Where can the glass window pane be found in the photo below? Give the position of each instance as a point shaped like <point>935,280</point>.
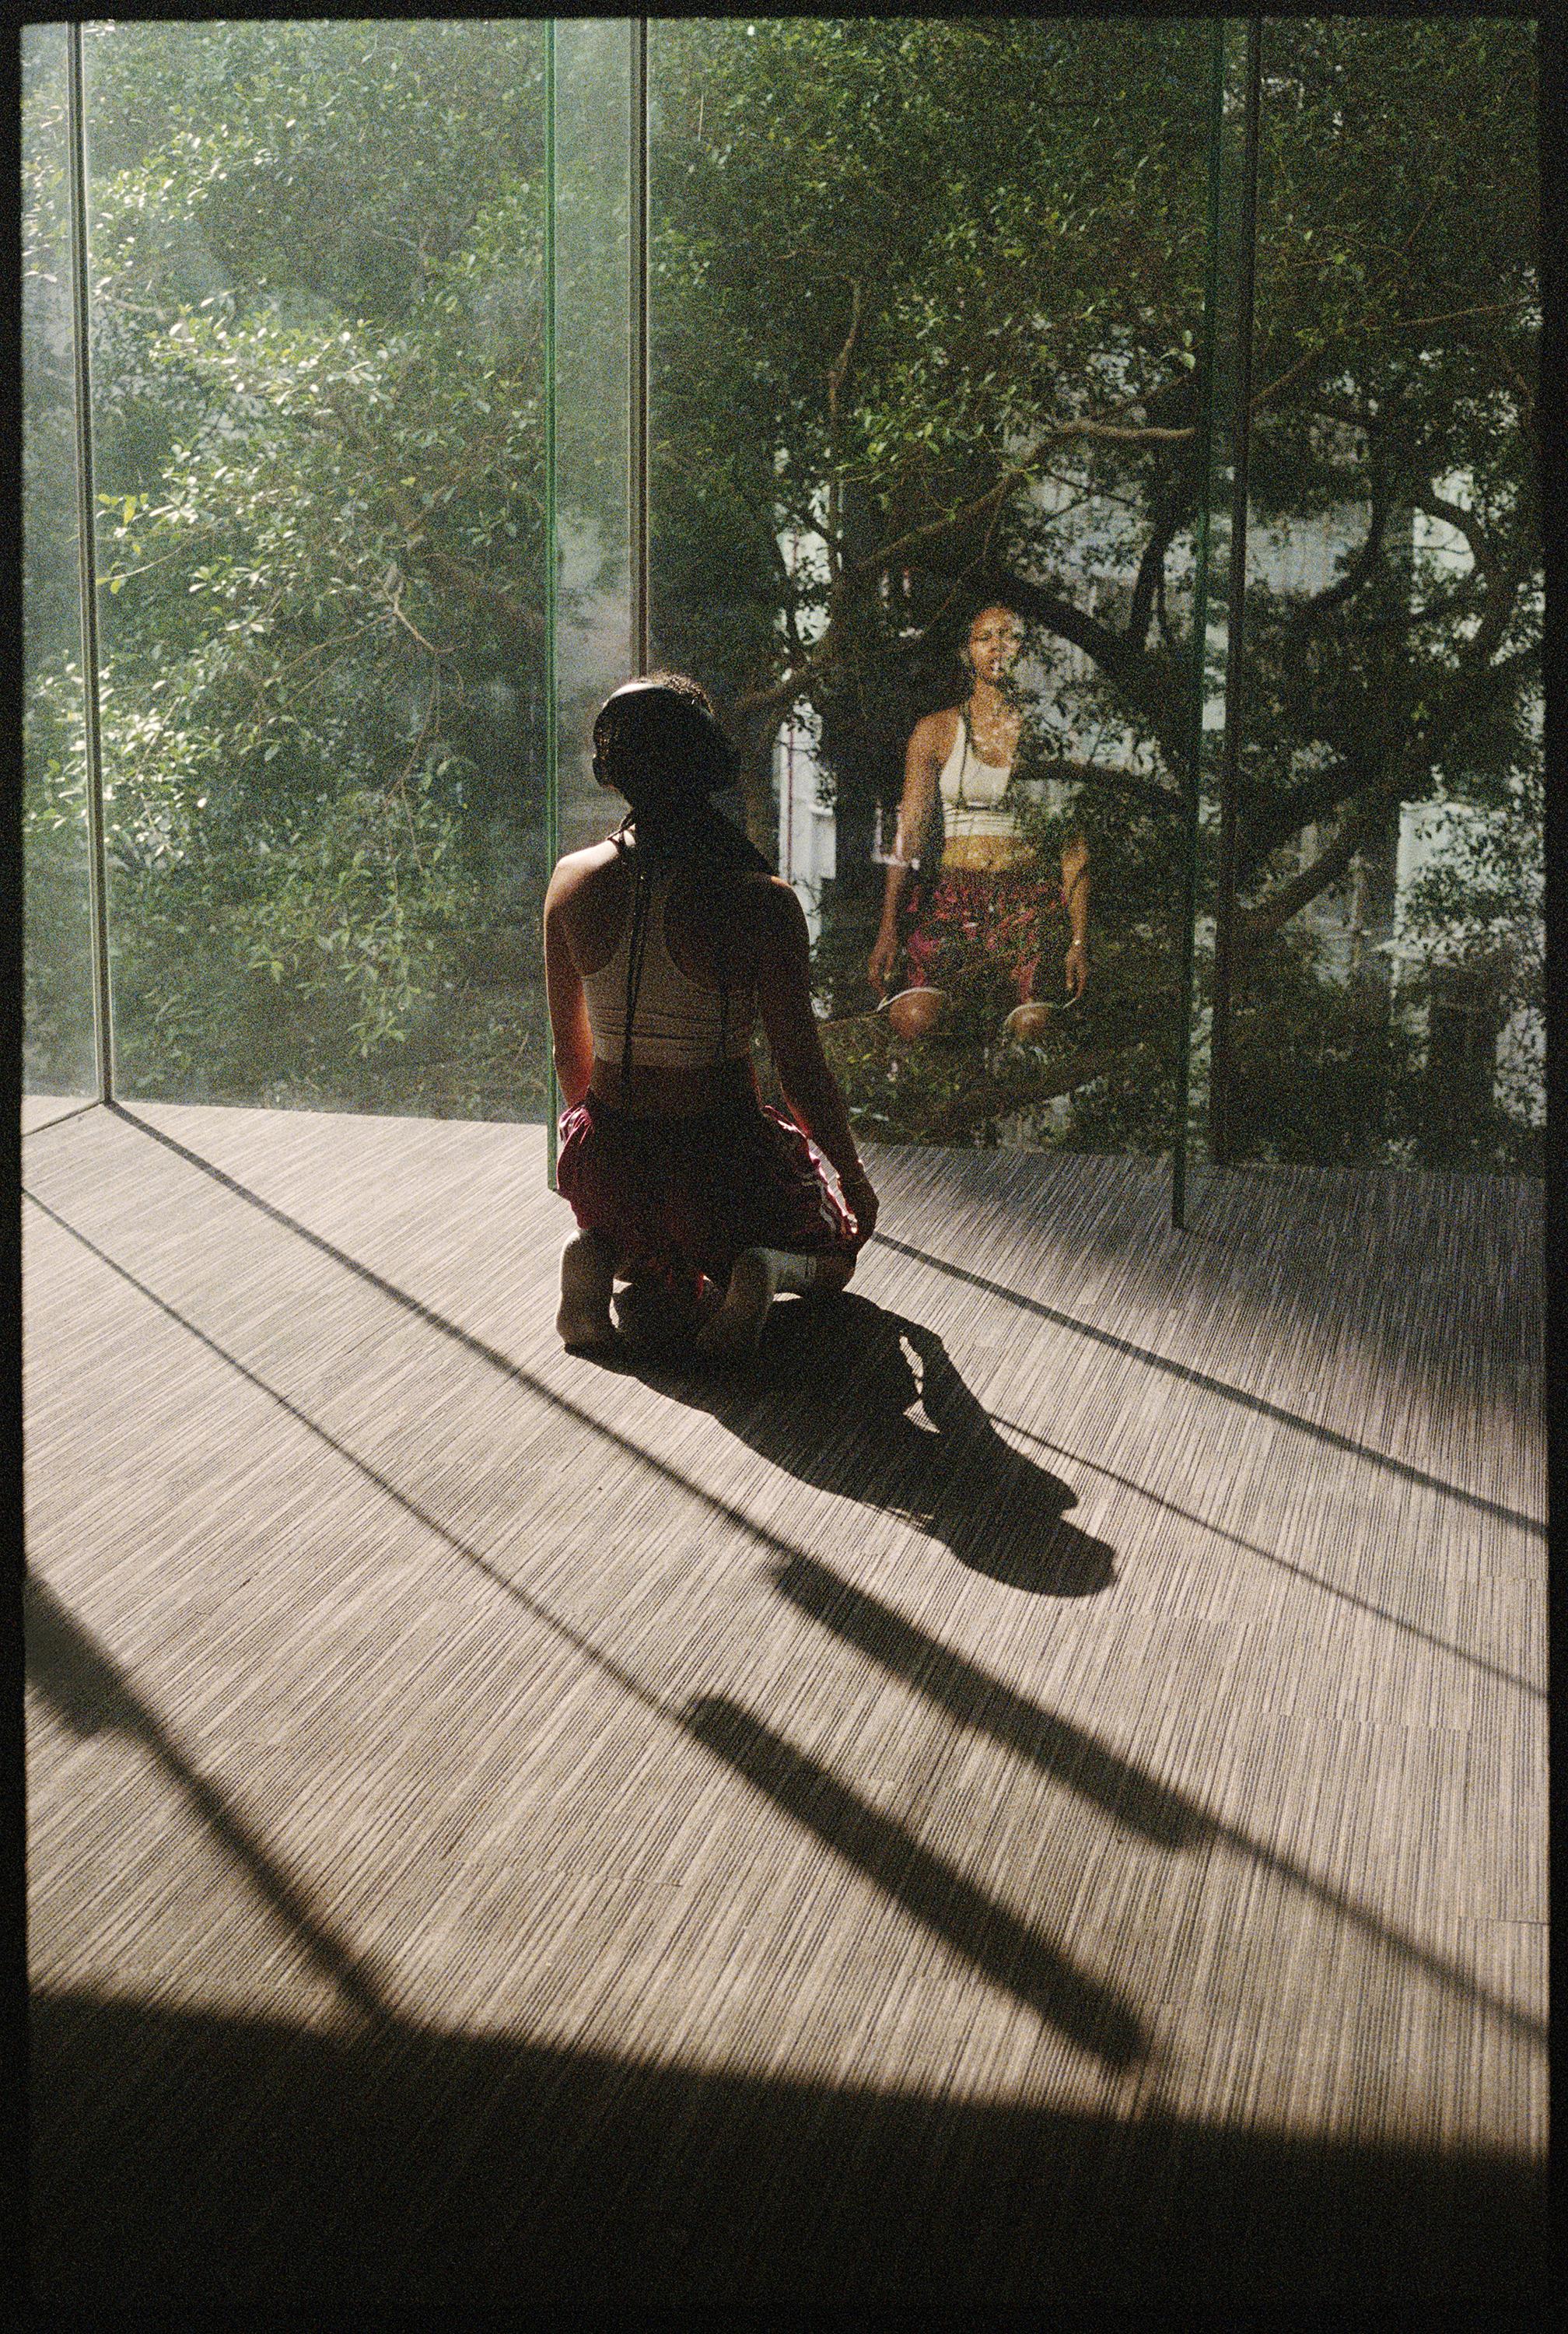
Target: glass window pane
<point>316,252</point>
<point>592,375</point>
<point>924,301</point>
<point>58,1056</point>
<point>1388,959</point>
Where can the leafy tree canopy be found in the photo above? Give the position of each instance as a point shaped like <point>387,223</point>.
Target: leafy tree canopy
<point>928,292</point>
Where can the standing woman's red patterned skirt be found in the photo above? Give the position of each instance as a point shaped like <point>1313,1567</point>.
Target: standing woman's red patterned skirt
<point>961,917</point>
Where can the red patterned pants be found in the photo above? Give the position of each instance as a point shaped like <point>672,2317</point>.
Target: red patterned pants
<point>679,1198</point>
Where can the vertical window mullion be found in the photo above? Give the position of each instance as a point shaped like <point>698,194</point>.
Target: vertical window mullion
<point>87,571</point>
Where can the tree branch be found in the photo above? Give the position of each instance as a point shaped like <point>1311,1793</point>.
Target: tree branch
<point>1437,506</point>
<point>394,599</point>
<point>1151,573</point>
<point>793,682</point>
<point>1467,695</point>
<point>1527,394</point>
<point>477,588</point>
<point>1123,433</point>
<point>976,1104</point>
<point>1334,595</point>
<point>836,372</point>
<point>481,592</point>
<point>1107,774</point>
<point>841,366</point>
<point>891,553</point>
<point>1253,925</point>
<point>1310,357</point>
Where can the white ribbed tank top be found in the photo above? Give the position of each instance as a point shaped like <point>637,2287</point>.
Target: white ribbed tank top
<point>675,1024</point>
<point>972,791</point>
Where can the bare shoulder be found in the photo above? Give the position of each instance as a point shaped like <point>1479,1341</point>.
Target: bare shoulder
<point>775,905</point>
<point>772,923</point>
<point>932,736</point>
<point>577,871</point>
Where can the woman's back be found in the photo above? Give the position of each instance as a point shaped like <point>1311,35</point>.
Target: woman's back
<point>695,994</point>
<point>678,1020</point>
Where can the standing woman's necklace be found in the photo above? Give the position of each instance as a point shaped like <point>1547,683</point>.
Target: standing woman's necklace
<point>995,736</point>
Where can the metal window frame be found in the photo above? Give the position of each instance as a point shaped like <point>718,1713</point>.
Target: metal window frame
<point>87,567</point>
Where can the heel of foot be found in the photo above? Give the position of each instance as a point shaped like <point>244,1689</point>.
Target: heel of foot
<point>736,1329</point>
<point>584,1333</point>
<point>582,1323</point>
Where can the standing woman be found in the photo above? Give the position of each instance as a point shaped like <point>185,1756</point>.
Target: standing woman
<point>661,945</point>
<point>986,898</point>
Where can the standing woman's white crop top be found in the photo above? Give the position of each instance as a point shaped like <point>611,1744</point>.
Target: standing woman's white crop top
<point>972,791</point>
<point>675,1022</point>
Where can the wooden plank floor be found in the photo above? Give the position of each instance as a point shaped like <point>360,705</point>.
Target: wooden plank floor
<point>1036,1789</point>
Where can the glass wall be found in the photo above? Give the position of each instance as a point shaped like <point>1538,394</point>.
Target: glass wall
<point>1385,991</point>
<point>927,493</point>
<point>594,646</point>
<point>317,411</point>
<point>58,1056</point>
<point>924,301</point>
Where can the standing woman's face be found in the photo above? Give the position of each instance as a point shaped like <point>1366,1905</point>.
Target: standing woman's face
<point>996,638</point>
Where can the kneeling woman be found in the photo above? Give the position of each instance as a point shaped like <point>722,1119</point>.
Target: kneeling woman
<point>662,945</point>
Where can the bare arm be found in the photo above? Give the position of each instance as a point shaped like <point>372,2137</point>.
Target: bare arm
<point>1075,891</point>
<point>810,1087</point>
<point>923,761</point>
<point>573,1039</point>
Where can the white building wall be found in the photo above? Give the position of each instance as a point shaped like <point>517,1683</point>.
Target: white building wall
<point>807,829</point>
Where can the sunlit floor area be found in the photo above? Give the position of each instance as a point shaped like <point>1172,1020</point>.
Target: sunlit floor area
<point>1035,1790</point>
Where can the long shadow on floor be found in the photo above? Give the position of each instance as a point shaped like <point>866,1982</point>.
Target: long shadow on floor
<point>832,1398</point>
<point>1011,1953</point>
<point>88,1691</point>
<point>289,2176</point>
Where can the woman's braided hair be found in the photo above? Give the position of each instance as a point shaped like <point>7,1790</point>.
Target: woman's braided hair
<point>658,741</point>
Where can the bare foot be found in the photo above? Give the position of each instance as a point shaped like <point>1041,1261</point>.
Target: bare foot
<point>756,1276</point>
<point>736,1330</point>
<point>1028,1024</point>
<point>587,1276</point>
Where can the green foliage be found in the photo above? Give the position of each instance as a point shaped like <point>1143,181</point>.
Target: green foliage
<point>967,368</point>
<point>319,447</point>
<point>927,291</point>
<point>58,1033</point>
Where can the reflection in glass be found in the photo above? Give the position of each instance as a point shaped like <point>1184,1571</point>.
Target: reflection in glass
<point>925,302</point>
<point>975,910</point>
<point>58,1056</point>
<point>946,368</point>
<point>315,256</point>
<point>1386,999</point>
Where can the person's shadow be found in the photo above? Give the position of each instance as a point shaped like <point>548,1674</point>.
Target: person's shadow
<point>867,1403</point>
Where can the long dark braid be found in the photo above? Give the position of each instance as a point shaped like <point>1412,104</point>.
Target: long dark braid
<point>636,948</point>
<point>671,818</point>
